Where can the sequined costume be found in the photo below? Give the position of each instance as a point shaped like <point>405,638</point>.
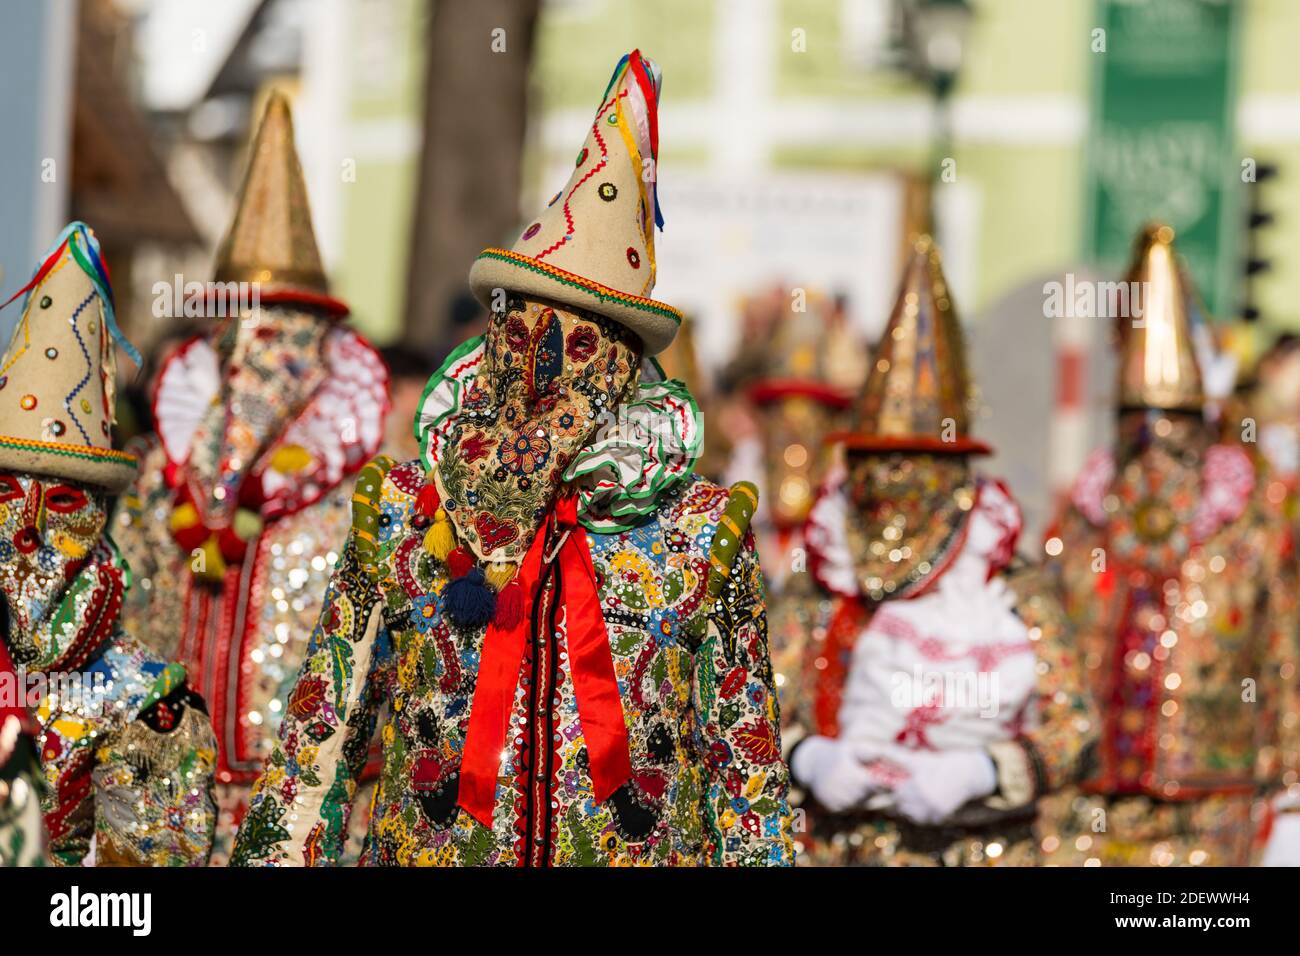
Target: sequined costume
<point>1179,580</point>
<point>566,623</point>
<point>242,505</point>
<point>1035,741</point>
<point>805,371</point>
<point>708,784</point>
<point>922,649</point>
<point>125,745</point>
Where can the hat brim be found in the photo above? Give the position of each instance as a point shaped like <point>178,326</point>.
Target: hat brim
<point>107,468</point>
<point>920,444</point>
<point>655,322</point>
<point>282,296</point>
<point>775,389</point>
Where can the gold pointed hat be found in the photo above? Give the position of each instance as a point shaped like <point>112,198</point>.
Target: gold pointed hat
<point>917,395</point>
<point>593,246</point>
<point>1157,358</point>
<point>271,241</point>
<point>808,357</point>
<point>57,376</point>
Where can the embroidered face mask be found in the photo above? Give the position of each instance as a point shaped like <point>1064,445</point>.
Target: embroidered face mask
<point>907,512</point>
<point>551,377</point>
<point>48,528</point>
<point>274,365</point>
<point>1156,493</point>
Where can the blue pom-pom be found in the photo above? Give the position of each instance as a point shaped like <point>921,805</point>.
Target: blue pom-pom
<point>469,601</point>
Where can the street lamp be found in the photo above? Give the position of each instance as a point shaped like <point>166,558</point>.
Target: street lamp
<point>935,34</point>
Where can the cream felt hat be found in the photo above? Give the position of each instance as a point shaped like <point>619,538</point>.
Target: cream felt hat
<point>593,246</point>
<point>56,377</point>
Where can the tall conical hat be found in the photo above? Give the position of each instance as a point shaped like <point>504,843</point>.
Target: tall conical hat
<point>917,395</point>
<point>800,359</point>
<point>1157,356</point>
<point>271,241</point>
<point>57,376</point>
<point>593,246</point>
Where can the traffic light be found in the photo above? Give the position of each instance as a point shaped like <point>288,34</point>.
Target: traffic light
<point>1257,218</point>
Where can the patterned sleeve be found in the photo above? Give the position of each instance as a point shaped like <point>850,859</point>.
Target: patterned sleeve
<point>127,757</point>
<point>1062,723</point>
<point>300,805</point>
<point>746,810</point>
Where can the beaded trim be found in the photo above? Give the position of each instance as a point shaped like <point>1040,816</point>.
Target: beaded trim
<point>72,451</point>
<point>602,292</point>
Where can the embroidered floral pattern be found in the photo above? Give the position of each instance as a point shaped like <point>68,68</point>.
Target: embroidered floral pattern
<point>707,785</point>
<point>525,451</point>
<point>547,397</point>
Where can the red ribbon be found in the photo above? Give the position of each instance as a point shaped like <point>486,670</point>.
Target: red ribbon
<point>17,707</point>
<point>600,706</point>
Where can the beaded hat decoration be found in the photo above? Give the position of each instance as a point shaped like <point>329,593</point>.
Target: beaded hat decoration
<point>57,376</point>
<point>593,246</point>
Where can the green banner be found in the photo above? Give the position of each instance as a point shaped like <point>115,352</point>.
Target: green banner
<point>1161,143</point>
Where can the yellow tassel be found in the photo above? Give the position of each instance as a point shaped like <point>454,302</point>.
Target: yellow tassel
<point>290,459</point>
<point>499,574</point>
<point>184,516</point>
<point>208,564</point>
<point>439,540</point>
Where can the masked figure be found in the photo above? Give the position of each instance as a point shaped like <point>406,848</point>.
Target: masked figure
<point>126,748</point>
<point>932,694</point>
<point>813,368</point>
<point>567,624</point>
<point>234,525</point>
<point>1180,584</point>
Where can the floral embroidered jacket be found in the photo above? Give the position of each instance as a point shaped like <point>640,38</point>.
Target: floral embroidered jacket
<point>708,785</point>
<point>21,832</point>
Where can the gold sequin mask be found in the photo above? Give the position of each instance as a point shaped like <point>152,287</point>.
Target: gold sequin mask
<point>906,515</point>
<point>273,364</point>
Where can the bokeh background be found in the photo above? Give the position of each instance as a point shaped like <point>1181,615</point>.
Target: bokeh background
<point>802,140</point>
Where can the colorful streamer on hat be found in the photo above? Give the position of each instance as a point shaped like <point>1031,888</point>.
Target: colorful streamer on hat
<point>649,78</point>
<point>84,248</point>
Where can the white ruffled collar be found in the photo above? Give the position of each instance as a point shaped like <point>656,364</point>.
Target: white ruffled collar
<point>1227,482</point>
<point>340,428</point>
<point>988,544</point>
